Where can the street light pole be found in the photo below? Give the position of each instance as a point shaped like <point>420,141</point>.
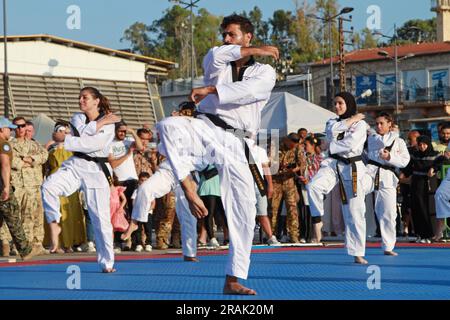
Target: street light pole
<point>397,79</point>
<point>5,75</point>
<point>191,4</point>
<point>192,45</point>
<point>331,59</point>
<point>329,20</point>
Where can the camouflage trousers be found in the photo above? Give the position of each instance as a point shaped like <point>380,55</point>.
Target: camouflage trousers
<point>10,214</point>
<point>167,224</point>
<point>286,190</point>
<point>31,213</point>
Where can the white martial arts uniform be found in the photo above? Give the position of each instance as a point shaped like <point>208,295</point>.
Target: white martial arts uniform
<point>189,143</point>
<point>442,198</point>
<point>158,185</point>
<point>76,173</point>
<point>386,195</point>
<point>326,179</point>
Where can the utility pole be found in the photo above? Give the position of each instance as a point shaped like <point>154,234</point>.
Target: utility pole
<point>191,4</point>
<point>342,44</point>
<point>329,20</point>
<point>342,80</point>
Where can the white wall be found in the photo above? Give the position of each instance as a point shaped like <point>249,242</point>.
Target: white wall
<point>33,58</point>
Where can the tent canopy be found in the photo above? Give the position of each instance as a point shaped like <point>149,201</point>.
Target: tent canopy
<point>288,113</point>
<point>43,127</point>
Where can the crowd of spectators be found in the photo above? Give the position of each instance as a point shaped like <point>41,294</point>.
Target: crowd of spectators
<point>284,217</point>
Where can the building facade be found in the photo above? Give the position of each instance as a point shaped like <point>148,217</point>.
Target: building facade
<point>46,73</point>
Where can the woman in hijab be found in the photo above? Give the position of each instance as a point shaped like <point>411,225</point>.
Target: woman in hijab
<point>346,135</point>
<point>422,161</point>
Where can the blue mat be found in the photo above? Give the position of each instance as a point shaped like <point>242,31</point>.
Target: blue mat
<point>417,273</point>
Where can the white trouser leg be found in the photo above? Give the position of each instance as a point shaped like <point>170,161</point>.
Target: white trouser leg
<point>386,211</point>
<point>188,224</point>
<point>322,183</point>
<point>61,183</point>
<point>190,143</point>
<point>98,203</point>
<point>337,216</point>
<point>157,186</point>
<point>371,224</point>
<point>239,201</point>
<point>354,218</point>
<point>179,141</point>
<point>442,199</point>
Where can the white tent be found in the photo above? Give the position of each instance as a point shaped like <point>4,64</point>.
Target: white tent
<point>43,127</point>
<point>288,113</point>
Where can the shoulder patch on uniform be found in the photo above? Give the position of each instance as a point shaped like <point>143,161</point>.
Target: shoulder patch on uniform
<point>6,147</point>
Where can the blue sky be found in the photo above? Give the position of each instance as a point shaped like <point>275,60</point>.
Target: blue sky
<point>103,21</point>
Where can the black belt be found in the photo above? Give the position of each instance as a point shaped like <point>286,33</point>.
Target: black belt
<point>381,166</point>
<point>240,134</point>
<point>347,161</point>
<point>101,161</point>
<point>209,174</point>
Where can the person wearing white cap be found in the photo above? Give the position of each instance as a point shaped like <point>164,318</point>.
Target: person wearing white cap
<point>9,208</point>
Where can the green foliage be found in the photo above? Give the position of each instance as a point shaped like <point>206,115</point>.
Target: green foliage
<point>300,38</point>
<point>417,30</point>
<point>364,40</point>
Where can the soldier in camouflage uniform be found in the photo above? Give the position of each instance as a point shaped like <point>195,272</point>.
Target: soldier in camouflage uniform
<point>9,209</point>
<point>26,178</point>
<point>142,158</point>
<point>166,220</point>
<point>291,160</point>
<point>167,225</point>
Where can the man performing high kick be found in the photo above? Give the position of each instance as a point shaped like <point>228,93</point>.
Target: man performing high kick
<point>237,88</point>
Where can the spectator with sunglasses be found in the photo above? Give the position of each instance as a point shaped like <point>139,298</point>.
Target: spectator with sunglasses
<point>26,177</point>
<point>121,160</point>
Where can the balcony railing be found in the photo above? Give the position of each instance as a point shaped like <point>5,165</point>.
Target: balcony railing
<point>409,96</point>
<point>439,3</point>
<point>387,97</point>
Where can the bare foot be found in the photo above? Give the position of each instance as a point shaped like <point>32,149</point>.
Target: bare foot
<point>361,260</point>
<point>57,251</point>
<point>232,286</point>
<point>196,204</point>
<point>109,270</point>
<point>390,253</point>
<point>318,231</point>
<point>191,259</point>
<point>55,230</point>
<point>131,228</point>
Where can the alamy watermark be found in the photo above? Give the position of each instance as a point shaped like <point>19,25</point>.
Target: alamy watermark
<point>374,20</point>
<point>73,21</point>
<point>73,282</point>
<point>374,280</point>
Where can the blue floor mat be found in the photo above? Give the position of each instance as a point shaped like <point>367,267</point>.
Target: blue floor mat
<point>417,273</point>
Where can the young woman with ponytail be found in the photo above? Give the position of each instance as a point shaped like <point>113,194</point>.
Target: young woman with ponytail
<point>92,130</point>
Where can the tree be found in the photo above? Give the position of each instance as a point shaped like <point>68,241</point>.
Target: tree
<point>137,35</point>
<point>307,48</point>
<point>169,38</point>
<point>329,8</point>
<point>261,26</point>
<point>364,40</point>
<point>417,30</point>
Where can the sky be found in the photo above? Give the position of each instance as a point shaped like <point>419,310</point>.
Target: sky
<point>102,22</point>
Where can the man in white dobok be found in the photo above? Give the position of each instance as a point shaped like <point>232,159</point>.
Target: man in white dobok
<point>237,88</point>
